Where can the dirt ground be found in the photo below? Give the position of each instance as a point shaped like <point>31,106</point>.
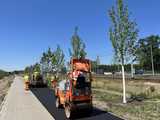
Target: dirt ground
<point>143,98</point>
<point>4,86</point>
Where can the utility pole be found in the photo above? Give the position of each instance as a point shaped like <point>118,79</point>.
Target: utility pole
<point>152,61</point>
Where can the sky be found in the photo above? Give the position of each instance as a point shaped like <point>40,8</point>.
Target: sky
<point>29,27</point>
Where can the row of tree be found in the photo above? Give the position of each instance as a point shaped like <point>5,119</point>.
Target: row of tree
<point>148,53</point>
<point>145,49</point>
<point>123,34</point>
<point>53,62</point>
<point>50,62</point>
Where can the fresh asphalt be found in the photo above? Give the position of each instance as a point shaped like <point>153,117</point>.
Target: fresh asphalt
<point>47,98</point>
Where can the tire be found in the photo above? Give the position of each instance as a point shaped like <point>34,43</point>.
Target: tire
<point>68,112</point>
<point>57,102</point>
<point>90,110</point>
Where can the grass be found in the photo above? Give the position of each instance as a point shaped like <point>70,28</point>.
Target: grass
<point>143,98</point>
<point>102,96</point>
<point>139,111</point>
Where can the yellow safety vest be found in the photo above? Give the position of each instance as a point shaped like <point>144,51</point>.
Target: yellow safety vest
<point>26,78</point>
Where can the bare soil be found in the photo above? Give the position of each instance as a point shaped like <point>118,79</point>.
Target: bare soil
<point>143,98</point>
<point>5,83</point>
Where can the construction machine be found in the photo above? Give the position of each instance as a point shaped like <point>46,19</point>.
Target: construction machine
<point>75,93</point>
<point>36,79</point>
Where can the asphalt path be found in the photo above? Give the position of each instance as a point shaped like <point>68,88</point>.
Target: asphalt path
<point>47,98</point>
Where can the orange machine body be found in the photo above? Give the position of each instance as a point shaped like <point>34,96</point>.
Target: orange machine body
<point>76,92</point>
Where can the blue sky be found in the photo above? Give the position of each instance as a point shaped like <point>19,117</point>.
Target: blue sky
<point>28,27</point>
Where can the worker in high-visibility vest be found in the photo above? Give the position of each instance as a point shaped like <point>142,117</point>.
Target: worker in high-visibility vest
<point>26,79</point>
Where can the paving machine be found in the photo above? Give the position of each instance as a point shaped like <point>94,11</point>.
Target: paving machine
<point>75,93</point>
<point>36,79</point>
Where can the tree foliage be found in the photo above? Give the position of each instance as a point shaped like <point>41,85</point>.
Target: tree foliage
<point>32,68</point>
<point>57,60</point>
<point>52,61</point>
<point>27,70</point>
<point>114,67</point>
<point>46,65</point>
<point>94,66</point>
<point>98,60</point>
<point>123,32</point>
<point>36,68</point>
<point>144,52</point>
<point>78,47</point>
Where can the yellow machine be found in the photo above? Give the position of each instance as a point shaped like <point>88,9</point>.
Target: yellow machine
<point>26,79</point>
<point>36,79</point>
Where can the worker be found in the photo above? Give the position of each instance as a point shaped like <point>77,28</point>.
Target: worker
<point>54,81</point>
<point>75,75</point>
<point>26,79</point>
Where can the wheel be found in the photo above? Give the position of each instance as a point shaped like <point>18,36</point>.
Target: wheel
<point>57,103</point>
<point>68,111</point>
<point>90,110</point>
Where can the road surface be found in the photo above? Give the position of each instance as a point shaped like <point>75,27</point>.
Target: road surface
<point>39,104</point>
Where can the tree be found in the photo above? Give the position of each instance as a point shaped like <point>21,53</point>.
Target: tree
<point>46,64</point>
<point>98,60</point>
<point>78,47</point>
<point>36,67</point>
<point>148,52</point>
<point>57,60</point>
<point>27,70</point>
<point>94,66</point>
<point>52,61</point>
<point>123,34</point>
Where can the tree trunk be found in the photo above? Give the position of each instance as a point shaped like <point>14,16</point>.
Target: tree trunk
<point>132,76</point>
<point>152,60</point>
<point>124,85</point>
